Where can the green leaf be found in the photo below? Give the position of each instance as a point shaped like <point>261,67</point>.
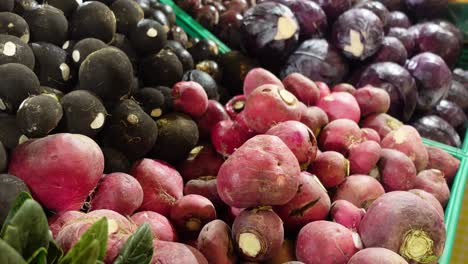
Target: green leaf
<point>98,231</point>
<point>89,255</point>
<point>38,257</point>
<point>20,199</point>
<point>27,228</point>
<point>55,252</point>
<point>9,255</point>
<point>138,248</point>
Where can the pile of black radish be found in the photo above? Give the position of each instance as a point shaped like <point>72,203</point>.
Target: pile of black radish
<point>109,110</point>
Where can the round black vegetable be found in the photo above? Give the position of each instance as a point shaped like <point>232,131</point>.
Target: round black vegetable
<point>17,82</point>
<point>10,187</point>
<point>210,67</point>
<point>53,66</point>
<point>166,9</point>
<point>123,43</point>
<point>14,50</point>
<point>207,16</point>
<point>83,113</point>
<point>167,93</point>
<point>108,73</point>
<point>205,80</point>
<point>93,20</point>
<point>131,130</point>
<point>127,13</point>
<point>162,68</point>
<point>228,28</point>
<point>67,6</point>
<point>178,134</point>
<point>152,101</point>
<point>22,6</point>
<point>435,128</point>
<point>69,45</point>
<point>12,24</point>
<point>47,24</point>
<point>161,18</point>
<point>51,91</point>
<point>178,34</point>
<point>10,134</point>
<point>38,115</point>
<point>235,67</point>
<point>115,161</point>
<point>84,47</point>
<point>3,158</point>
<point>7,5</point>
<point>184,56</point>
<point>148,37</point>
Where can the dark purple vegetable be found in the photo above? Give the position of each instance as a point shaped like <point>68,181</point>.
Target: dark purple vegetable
<point>269,32</point>
<point>450,27</point>
<point>358,33</point>
<point>461,76</point>
<point>426,9</point>
<point>432,76</point>
<point>393,5</point>
<point>207,16</point>
<point>450,112</point>
<point>377,8</point>
<point>406,38</point>
<point>334,8</point>
<point>435,128</point>
<point>189,5</point>
<point>392,50</point>
<point>318,60</point>
<point>398,19</point>
<point>458,93</point>
<point>397,81</point>
<point>228,28</point>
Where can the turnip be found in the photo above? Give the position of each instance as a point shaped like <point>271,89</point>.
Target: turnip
<point>173,252</point>
<point>346,214</point>
<point>191,212</point>
<point>190,98</point>
<point>311,203</point>
<point>286,253</point>
<point>372,100</point>
<point>228,135</point>
<point>407,140</point>
<point>430,198</point>
<point>235,105</point>
<point>214,113</point>
<point>344,87</point>
<point>299,138</point>
<point>258,114</point>
<point>340,105</point>
<point>302,87</point>
<point>397,171</point>
<point>263,171</point>
<point>433,182</point>
<point>370,134</point>
<point>160,226</point>
<point>162,185</point>
<point>61,170</point>
<point>331,168</point>
<point>360,190</point>
<point>314,118</point>
<point>202,161</point>
<point>215,242</point>
<point>363,157</point>
<point>339,135</point>
<point>382,123</point>
<point>323,88</point>
<point>118,192</point>
<point>57,221</point>
<point>404,223</point>
<point>258,234</point>
<point>258,77</point>
<point>376,256</point>
<point>206,187</point>
<point>441,160</point>
<point>326,242</point>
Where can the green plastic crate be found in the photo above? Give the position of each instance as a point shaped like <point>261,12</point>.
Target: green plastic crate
<point>452,211</point>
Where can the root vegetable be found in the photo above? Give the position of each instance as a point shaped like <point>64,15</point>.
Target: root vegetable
<point>190,98</point>
<point>263,171</point>
<point>346,214</point>
<point>191,212</point>
<point>340,105</point>
<point>370,134</point>
<point>258,234</point>
<point>372,100</point>
<point>404,223</point>
<point>214,113</point>
<point>323,88</point>
<point>258,77</point>
<point>206,187</point>
<point>344,87</point>
<point>215,242</point>
<point>363,157</point>
<point>331,168</point>
<point>430,198</point>
<point>203,161</point>
<point>57,221</point>
<point>160,226</point>
<point>314,118</point>
<point>302,87</point>
<point>441,160</point>
<point>115,161</point>
<point>360,190</point>
<point>382,123</point>
<point>376,255</point>
<point>228,135</point>
<point>285,254</point>
<point>433,182</point>
<point>235,105</point>
<point>173,252</point>
<point>339,135</point>
<point>397,171</point>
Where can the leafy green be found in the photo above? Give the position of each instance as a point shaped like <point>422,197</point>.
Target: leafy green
<point>20,199</point>
<point>89,254</point>
<point>138,248</point>
<point>38,257</point>
<point>9,255</point>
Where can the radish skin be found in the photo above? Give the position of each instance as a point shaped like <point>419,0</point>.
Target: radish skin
<point>339,135</point>
<point>363,157</point>
<point>215,242</point>
<point>376,256</point>
<point>258,77</point>
<point>331,168</point>
<point>160,226</point>
<point>397,171</point>
<point>302,87</point>
<point>433,182</point>
<point>346,214</point>
<point>340,105</point>
<point>360,190</point>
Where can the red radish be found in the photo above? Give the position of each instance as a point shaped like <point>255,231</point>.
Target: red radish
<point>326,242</point>
<point>263,171</point>
<point>382,123</point>
<point>57,221</point>
<point>302,87</point>
<point>191,212</point>
<point>331,168</point>
<point>215,242</point>
<point>372,100</point>
<point>227,136</point>
<point>314,118</point>
<point>430,199</point>
<point>344,87</point>
<point>258,234</point>
<point>311,203</point>
<point>173,252</point>
<point>61,170</point>
<point>258,112</point>
<point>286,253</point>
<point>407,140</point>
<point>376,255</point>
<point>235,105</point>
<point>206,187</point>
<point>160,226</point>
<point>202,161</point>
<point>339,135</point>
<point>190,98</point>
<point>363,157</point>
<point>340,105</point>
<point>346,214</point>
<point>323,88</point>
<point>360,190</point>
<point>433,182</point>
<point>213,114</point>
<point>397,171</point>
<point>162,185</point>
<point>258,77</point>
<point>118,192</point>
<point>299,138</point>
<point>404,223</point>
<point>441,160</point>
<point>370,134</point>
